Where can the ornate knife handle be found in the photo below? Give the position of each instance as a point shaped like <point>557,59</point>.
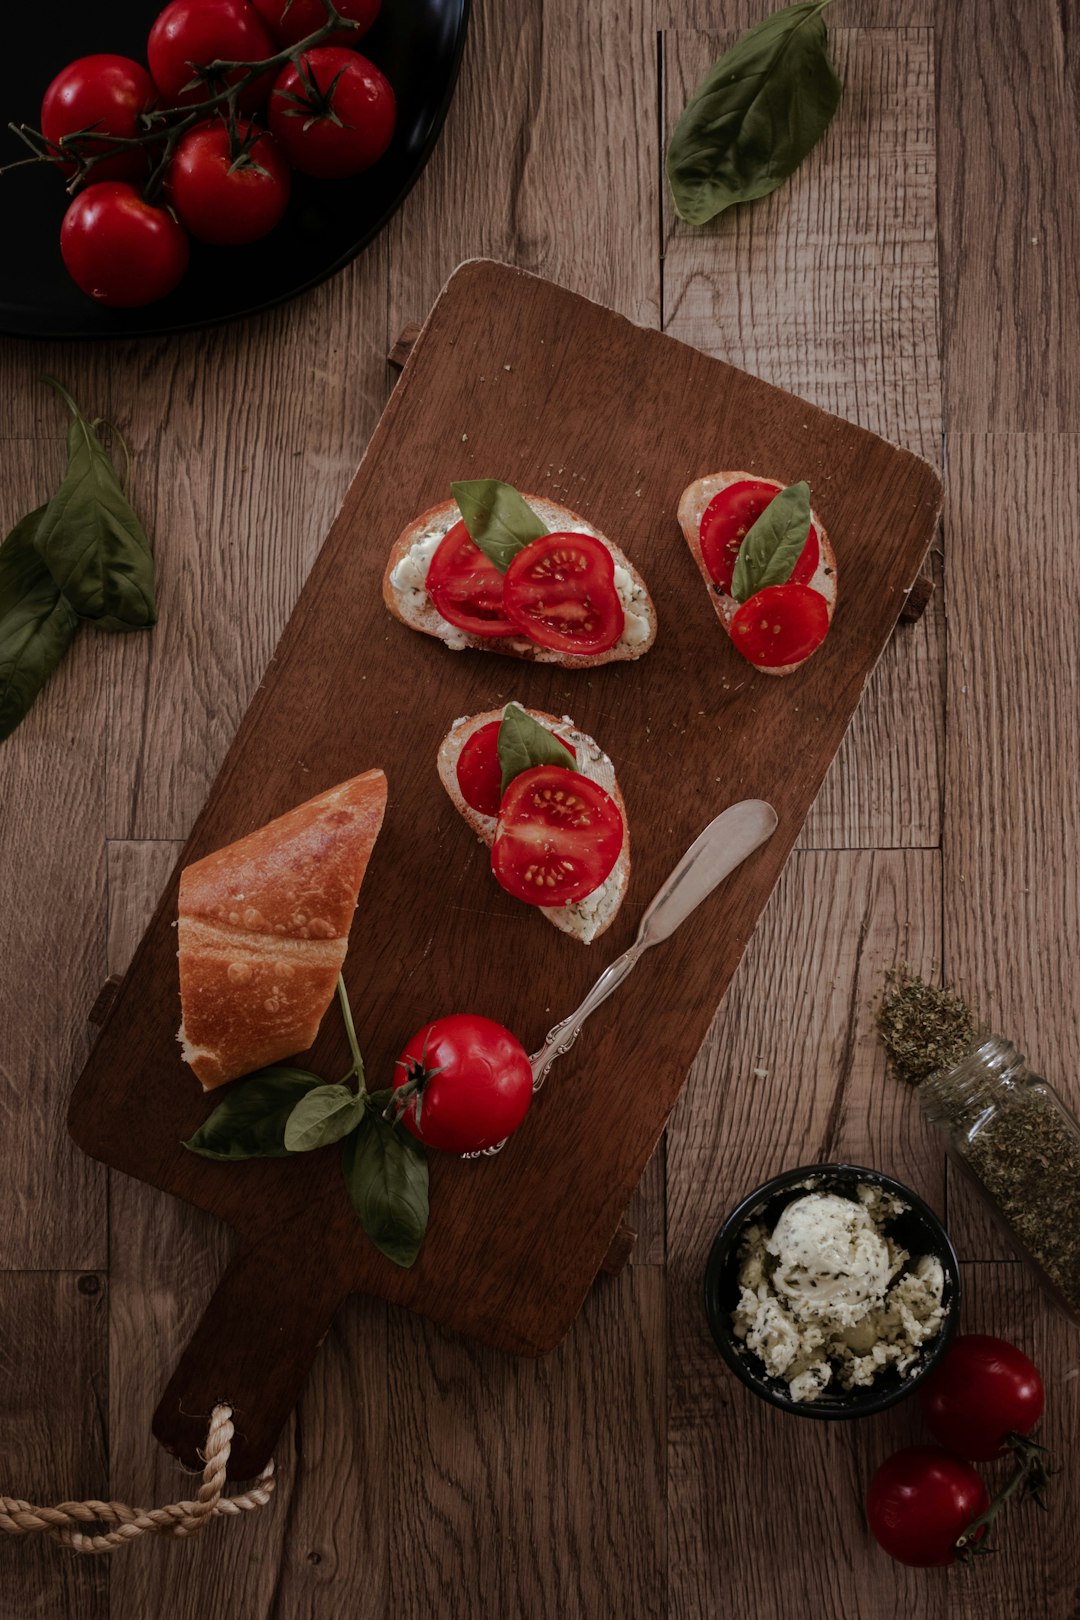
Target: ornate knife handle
<point>562,1037</point>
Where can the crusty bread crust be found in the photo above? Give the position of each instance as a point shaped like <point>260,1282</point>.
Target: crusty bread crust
<point>693,503</point>
<point>263,929</point>
<point>567,918</point>
<point>425,617</point>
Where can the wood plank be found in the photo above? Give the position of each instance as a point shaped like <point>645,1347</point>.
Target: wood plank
<point>53,1403</point>
<point>482,1238</point>
<point>1009,150</point>
<point>533,1488</point>
<point>1012,837</point>
<point>792,1074</point>
<point>830,287</point>
<point>732,16</point>
<point>52,919</point>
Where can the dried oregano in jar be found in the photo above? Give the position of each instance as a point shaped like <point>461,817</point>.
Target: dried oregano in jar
<point>1004,1126</point>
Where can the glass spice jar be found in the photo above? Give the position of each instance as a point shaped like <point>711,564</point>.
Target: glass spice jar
<point>1011,1133</point>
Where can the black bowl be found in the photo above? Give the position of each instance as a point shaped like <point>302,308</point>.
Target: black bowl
<point>418,45</point>
<point>918,1230</point>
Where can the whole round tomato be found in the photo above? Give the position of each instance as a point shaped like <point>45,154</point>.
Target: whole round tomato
<point>560,592</point>
<point>228,187</point>
<point>190,34</point>
<point>981,1391</point>
<point>104,93</point>
<point>290,21</point>
<point>121,250</point>
<point>557,838</point>
<point>463,1083</point>
<point>780,625</point>
<point>920,1502</point>
<point>333,112</point>
<point>727,520</point>
<point>466,586</point>
<point>479,771</point>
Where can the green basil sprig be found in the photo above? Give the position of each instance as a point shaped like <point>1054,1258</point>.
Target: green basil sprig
<point>279,1111</point>
<point>773,543</point>
<point>37,623</point>
<point>756,114</point>
<point>91,540</point>
<point>499,520</point>
<point>524,742</point>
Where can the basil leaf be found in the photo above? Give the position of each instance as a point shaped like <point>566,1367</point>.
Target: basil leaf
<point>92,542</point>
<point>322,1116</point>
<point>499,520</point>
<point>524,742</point>
<point>773,543</point>
<point>755,115</point>
<point>386,1172</point>
<point>37,623</point>
<point>250,1120</point>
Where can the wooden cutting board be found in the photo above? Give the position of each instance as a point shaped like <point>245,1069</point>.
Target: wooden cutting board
<point>517,379</point>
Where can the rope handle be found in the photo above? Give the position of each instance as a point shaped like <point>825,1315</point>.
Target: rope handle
<point>178,1519</point>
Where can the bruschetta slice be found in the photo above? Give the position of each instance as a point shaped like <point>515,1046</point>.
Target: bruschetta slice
<point>542,795</point>
<point>520,575</point>
<point>771,573</point>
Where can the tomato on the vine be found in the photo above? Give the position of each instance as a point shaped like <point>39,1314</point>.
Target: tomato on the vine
<point>190,34</point>
<point>290,21</point>
<point>780,625</point>
<point>920,1502</point>
<point>333,112</point>
<point>119,249</point>
<point>462,1084</point>
<point>479,771</point>
<point>982,1390</point>
<point>726,522</point>
<point>560,592</point>
<point>228,186</point>
<point>558,836</point>
<point>466,586</point>
<point>105,93</point>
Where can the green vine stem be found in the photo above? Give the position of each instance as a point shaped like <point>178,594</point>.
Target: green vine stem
<point>1030,1477</point>
<point>169,124</point>
<point>350,1031</point>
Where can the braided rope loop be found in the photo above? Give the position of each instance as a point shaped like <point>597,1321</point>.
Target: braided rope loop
<point>178,1519</point>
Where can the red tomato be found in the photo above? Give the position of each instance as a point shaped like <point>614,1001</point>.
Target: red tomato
<point>920,1502</point>
<point>290,21</point>
<point>105,93</point>
<point>780,625</point>
<point>479,773</point>
<point>466,586</point>
<point>333,112</point>
<point>729,516</point>
<point>224,190</point>
<point>557,838</point>
<point>981,1391</point>
<point>121,250</point>
<point>560,592</point>
<point>189,34</point>
<point>469,1080</point>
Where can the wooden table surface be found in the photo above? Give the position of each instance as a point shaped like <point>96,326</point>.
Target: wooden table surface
<point>919,275</point>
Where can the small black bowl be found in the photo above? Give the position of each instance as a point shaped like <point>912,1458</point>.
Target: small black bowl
<point>918,1229</point>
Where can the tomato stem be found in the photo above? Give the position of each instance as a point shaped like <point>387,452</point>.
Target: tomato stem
<point>1030,1478</point>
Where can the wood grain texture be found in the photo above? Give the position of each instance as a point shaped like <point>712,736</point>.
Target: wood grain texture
<point>1012,835</point>
<point>1009,150</point>
<point>471,1269</point>
<point>831,285</point>
<point>55,1442</point>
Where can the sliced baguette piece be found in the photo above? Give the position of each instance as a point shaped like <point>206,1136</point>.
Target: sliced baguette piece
<point>587,919</point>
<point>410,558</point>
<point>693,503</point>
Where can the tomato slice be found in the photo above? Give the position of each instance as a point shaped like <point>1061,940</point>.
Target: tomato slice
<point>558,836</point>
<point>724,527</point>
<point>782,624</point>
<point>479,773</point>
<point>466,586</point>
<point>560,592</point>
